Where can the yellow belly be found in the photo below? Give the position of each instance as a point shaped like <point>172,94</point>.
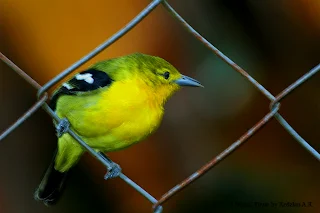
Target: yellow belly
<point>113,118</point>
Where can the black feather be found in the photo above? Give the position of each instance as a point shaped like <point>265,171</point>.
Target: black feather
<point>51,186</point>
<point>53,182</point>
<point>100,79</point>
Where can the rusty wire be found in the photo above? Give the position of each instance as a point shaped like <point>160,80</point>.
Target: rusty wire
<point>33,109</point>
<point>274,105</point>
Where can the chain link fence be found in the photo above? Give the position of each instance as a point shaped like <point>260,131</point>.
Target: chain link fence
<point>274,103</point>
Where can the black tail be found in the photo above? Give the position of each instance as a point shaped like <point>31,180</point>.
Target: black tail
<point>51,186</point>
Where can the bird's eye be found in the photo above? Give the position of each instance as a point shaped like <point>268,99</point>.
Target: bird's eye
<point>166,75</point>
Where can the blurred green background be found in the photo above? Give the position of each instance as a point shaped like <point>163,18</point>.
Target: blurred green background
<point>275,41</point>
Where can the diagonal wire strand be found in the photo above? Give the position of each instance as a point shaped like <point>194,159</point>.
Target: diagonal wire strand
<point>257,85</point>
<point>102,46</point>
<point>236,67</point>
<point>297,83</point>
<point>294,134</point>
<point>102,160</point>
<point>216,51</point>
<point>87,57</point>
<point>218,158</point>
<point>19,71</point>
<point>97,50</point>
<point>284,123</point>
<point>24,117</point>
<point>33,109</point>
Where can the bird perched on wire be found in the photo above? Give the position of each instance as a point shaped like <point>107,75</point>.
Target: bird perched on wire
<point>111,106</point>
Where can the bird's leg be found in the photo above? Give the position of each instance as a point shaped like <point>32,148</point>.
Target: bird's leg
<point>62,127</point>
<point>115,169</point>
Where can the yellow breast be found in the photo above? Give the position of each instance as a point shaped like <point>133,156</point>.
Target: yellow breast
<point>115,117</point>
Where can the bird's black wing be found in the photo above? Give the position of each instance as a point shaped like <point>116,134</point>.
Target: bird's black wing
<point>85,81</point>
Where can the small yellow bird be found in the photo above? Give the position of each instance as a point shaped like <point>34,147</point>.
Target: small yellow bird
<point>111,106</point>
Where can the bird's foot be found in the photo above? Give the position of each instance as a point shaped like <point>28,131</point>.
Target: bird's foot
<point>62,127</point>
<point>114,172</point>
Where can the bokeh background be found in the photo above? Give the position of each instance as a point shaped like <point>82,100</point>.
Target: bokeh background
<point>276,41</point>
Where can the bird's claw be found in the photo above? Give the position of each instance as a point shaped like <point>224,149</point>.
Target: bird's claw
<point>62,127</point>
<point>114,172</point>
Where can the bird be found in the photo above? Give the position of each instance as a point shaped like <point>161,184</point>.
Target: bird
<point>111,106</point>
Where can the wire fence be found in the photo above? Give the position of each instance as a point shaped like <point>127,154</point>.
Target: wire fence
<point>157,208</point>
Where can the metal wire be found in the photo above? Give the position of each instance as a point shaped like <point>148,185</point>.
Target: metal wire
<point>101,47</point>
<point>274,105</point>
<point>217,159</point>
<point>33,109</point>
<point>24,117</point>
<point>100,158</point>
<point>19,71</point>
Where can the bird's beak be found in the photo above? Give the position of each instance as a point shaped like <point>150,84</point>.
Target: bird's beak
<point>187,81</point>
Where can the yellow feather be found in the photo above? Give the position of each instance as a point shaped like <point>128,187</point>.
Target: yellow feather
<point>113,118</point>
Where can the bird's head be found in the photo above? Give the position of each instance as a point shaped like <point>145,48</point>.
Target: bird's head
<point>151,73</point>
